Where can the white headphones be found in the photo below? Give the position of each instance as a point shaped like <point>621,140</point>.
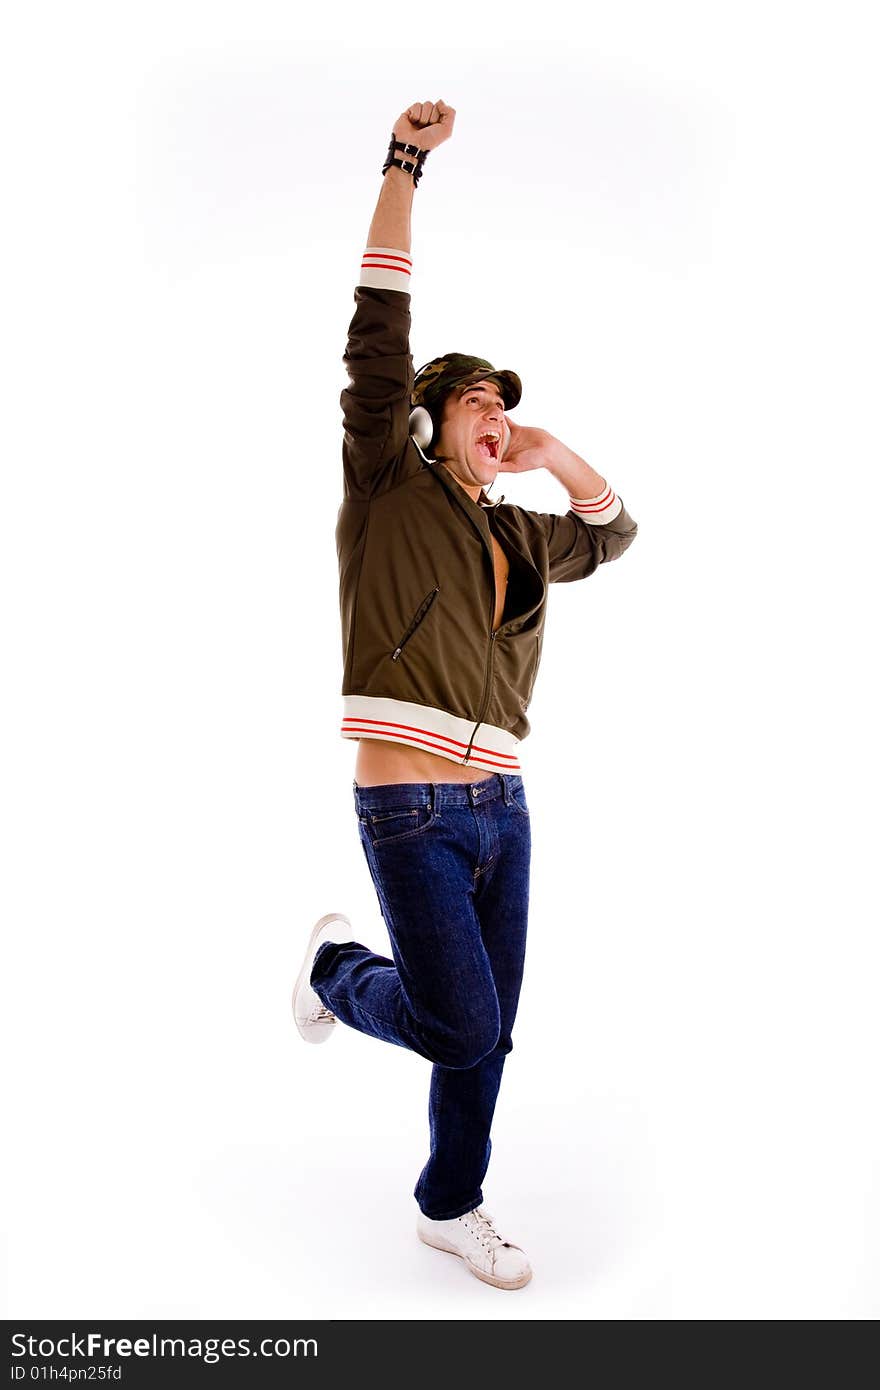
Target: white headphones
<point>421,429</point>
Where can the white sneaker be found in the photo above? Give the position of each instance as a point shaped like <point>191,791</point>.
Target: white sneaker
<point>473,1237</point>
<point>314,1021</point>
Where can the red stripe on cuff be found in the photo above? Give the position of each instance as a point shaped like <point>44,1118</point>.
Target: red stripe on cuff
<point>377,265</point>
<point>593,504</point>
<point>385,256</point>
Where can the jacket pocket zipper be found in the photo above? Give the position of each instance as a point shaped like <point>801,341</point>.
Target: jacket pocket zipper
<point>420,614</point>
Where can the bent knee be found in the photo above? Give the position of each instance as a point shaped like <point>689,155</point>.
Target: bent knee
<point>459,1049</point>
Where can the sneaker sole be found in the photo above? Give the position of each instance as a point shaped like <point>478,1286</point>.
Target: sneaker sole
<point>314,1035</point>
<point>480,1273</point>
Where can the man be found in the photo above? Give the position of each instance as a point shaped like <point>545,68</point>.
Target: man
<point>442,596</point>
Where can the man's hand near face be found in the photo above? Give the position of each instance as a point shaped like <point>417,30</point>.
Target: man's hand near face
<point>528,449</point>
<point>531,448</point>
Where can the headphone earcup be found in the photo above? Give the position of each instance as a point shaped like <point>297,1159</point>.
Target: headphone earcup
<point>421,429</point>
<point>421,426</point>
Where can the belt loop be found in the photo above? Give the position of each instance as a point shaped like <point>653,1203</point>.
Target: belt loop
<point>508,795</point>
<point>435,799</point>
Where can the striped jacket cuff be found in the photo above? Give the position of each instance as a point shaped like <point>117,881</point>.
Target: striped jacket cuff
<point>384,268</point>
<point>597,511</point>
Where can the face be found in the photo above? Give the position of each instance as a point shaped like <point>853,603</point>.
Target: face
<point>471,433</point>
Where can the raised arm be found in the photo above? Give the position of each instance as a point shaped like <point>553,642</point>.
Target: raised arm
<point>376,449</point>
<point>392,220</point>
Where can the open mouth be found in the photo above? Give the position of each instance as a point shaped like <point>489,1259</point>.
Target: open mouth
<point>487,445</point>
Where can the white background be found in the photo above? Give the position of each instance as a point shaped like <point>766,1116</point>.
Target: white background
<point>662,218</point>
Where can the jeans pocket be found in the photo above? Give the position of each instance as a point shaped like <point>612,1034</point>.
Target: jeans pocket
<point>518,798</point>
<point>389,827</point>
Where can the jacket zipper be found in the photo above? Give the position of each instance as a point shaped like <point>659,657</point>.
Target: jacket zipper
<point>420,614</point>
<point>487,685</point>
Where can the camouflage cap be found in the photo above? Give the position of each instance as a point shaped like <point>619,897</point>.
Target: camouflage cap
<point>442,374</point>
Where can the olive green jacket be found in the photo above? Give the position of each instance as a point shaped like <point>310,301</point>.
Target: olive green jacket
<point>421,663</point>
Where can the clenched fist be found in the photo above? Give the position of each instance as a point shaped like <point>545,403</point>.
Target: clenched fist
<point>425,123</point>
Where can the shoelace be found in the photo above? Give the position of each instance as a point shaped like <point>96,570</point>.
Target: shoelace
<point>321,1015</point>
<point>483,1229</point>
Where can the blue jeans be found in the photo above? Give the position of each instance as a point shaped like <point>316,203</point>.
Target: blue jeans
<point>450,864</point>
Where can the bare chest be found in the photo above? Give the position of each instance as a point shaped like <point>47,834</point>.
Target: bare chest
<point>502,569</point>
